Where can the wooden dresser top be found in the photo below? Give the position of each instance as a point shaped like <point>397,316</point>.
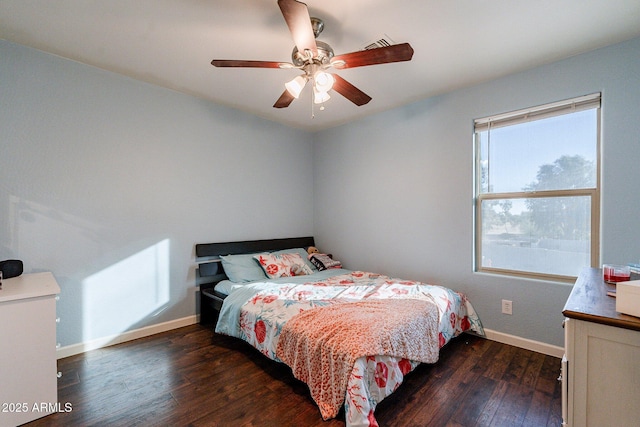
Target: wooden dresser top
<point>589,301</point>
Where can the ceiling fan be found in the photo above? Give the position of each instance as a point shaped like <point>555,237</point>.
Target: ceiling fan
<point>314,57</point>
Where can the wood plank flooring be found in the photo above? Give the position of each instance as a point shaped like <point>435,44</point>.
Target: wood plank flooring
<point>194,377</point>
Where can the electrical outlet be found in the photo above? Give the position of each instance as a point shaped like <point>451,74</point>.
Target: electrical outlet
<point>507,306</point>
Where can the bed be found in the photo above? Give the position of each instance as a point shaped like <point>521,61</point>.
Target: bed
<point>350,335</point>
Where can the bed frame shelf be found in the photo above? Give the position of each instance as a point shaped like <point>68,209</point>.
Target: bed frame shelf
<point>210,305</point>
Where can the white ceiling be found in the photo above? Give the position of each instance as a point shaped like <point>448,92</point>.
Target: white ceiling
<point>457,43</point>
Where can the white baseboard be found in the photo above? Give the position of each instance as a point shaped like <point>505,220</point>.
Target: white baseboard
<point>73,349</point>
<point>527,344</point>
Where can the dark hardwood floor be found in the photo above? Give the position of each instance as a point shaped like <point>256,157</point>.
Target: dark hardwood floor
<point>193,377</point>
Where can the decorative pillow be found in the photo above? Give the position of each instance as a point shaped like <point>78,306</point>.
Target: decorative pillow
<point>303,254</point>
<point>324,261</point>
<point>283,265</point>
<point>242,268</point>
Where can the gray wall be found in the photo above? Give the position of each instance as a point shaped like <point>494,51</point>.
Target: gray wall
<point>109,182</point>
<point>393,193</point>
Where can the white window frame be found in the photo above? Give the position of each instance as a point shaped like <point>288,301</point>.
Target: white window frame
<point>535,113</point>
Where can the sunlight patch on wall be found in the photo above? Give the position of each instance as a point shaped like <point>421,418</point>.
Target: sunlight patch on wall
<point>120,296</point>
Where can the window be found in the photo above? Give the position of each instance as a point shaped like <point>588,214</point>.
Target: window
<point>537,190</point>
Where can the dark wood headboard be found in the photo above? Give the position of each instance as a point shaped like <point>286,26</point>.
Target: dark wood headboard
<point>210,269</point>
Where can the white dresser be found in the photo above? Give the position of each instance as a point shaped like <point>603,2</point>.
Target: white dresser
<point>601,368</point>
<point>28,369</point>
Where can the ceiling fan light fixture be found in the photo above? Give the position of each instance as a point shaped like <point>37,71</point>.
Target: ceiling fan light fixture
<point>323,81</point>
<point>320,97</point>
<point>296,85</point>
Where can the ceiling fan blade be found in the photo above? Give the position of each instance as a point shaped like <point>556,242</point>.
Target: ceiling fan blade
<point>349,91</point>
<point>381,55</point>
<point>284,101</point>
<point>296,15</point>
<point>252,64</point>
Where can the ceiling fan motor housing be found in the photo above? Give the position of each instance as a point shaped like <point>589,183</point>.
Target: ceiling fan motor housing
<point>325,53</point>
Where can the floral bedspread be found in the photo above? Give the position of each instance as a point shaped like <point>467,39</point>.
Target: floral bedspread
<point>257,313</point>
<point>321,345</point>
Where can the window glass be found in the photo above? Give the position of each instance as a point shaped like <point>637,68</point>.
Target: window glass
<point>539,235</point>
<point>526,156</point>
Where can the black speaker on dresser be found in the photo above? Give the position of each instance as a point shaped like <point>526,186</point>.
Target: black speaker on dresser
<point>11,268</point>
